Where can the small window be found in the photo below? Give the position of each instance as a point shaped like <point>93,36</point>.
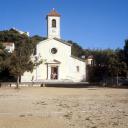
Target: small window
<point>54,23</point>
<point>53,50</point>
<point>77,68</point>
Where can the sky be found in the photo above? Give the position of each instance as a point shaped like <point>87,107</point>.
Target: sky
<point>94,24</point>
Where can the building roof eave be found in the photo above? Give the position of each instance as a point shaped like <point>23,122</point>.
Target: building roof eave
<point>77,58</point>
<point>62,41</point>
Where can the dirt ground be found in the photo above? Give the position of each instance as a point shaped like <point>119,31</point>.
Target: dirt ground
<point>36,107</point>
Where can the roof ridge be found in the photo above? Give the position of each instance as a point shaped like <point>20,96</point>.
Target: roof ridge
<point>63,41</point>
<point>75,57</point>
<point>54,13</point>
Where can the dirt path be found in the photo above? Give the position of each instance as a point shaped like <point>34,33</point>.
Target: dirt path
<point>63,108</point>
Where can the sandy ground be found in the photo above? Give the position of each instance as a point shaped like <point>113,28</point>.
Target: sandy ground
<point>36,107</point>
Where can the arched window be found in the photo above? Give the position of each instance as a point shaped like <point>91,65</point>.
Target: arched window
<point>53,23</point>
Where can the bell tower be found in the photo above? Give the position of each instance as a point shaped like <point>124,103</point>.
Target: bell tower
<point>53,24</point>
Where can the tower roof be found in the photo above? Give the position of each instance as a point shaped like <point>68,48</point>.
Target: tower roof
<point>54,13</point>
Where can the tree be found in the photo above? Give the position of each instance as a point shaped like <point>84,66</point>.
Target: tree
<point>108,65</point>
<point>98,72</point>
<point>126,54</point>
<point>116,65</point>
<point>4,55</point>
<point>20,60</point>
<point>37,38</point>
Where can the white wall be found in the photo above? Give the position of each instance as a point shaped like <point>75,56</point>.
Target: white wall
<point>44,49</point>
<point>67,66</point>
<point>77,75</point>
<point>53,32</point>
<point>89,61</point>
<point>9,47</point>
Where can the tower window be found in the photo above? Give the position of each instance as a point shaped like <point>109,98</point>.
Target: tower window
<point>53,23</point>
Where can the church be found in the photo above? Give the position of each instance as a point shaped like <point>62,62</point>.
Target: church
<point>58,63</point>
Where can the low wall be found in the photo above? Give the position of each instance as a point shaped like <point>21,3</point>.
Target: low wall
<point>46,84</point>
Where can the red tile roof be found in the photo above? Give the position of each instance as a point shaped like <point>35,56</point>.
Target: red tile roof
<point>54,13</point>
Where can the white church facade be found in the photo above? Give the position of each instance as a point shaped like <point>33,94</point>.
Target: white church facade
<point>58,63</point>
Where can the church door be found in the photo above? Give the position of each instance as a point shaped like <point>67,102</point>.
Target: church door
<point>54,72</point>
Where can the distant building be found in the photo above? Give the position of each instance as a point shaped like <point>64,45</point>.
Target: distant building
<point>90,60</point>
<point>9,46</point>
<point>21,32</point>
<point>59,64</point>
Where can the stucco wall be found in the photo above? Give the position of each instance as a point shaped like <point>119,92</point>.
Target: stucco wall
<point>66,68</point>
<point>53,32</point>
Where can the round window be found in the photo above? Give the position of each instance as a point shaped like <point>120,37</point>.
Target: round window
<point>53,50</point>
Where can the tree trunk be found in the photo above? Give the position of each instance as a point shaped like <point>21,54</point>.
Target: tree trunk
<point>117,79</point>
<point>17,84</point>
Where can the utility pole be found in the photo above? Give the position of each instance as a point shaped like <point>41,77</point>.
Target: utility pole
<point>117,76</point>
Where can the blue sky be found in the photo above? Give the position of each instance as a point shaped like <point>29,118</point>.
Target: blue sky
<point>90,23</point>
